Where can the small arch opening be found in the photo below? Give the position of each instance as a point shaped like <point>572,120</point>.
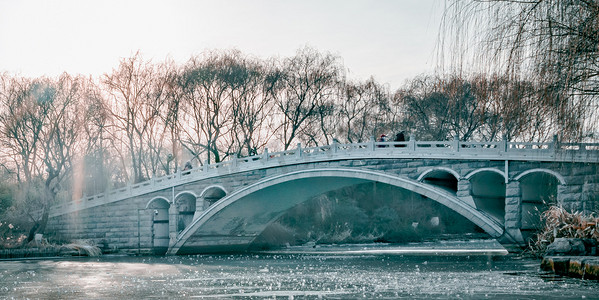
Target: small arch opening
<point>160,230</point>
<point>212,194</point>
<point>443,179</point>
<point>488,192</point>
<point>538,191</point>
<point>186,208</point>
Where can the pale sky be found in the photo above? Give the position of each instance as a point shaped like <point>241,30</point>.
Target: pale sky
<point>392,40</point>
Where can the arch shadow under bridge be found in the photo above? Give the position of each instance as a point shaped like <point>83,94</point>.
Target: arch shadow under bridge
<point>236,220</point>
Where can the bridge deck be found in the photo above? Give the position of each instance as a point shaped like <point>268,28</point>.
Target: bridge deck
<point>508,151</point>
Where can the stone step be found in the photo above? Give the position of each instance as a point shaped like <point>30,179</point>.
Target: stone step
<point>585,267</point>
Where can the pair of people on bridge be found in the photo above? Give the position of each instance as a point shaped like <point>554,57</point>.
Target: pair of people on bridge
<point>400,137</point>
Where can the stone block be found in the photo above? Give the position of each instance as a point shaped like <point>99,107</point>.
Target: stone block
<point>399,165</point>
<point>590,187</point>
<point>432,162</point>
<point>576,267</point>
<point>568,198</point>
<point>512,201</point>
<point>460,194</point>
<point>415,164</point>
<point>358,163</point>
<point>407,171</point>
<point>570,189</point>
<point>512,223</point>
<point>592,179</point>
<point>559,265</point>
<point>464,185</point>
<point>591,268</point>
<point>582,170</point>
<point>566,247</point>
<point>578,179</point>
<point>374,162</point>
<point>512,191</point>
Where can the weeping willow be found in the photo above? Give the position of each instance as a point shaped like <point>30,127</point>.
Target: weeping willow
<point>552,43</point>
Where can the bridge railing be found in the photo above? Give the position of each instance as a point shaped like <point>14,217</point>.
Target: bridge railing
<point>585,152</point>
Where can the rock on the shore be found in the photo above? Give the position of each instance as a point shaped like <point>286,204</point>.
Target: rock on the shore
<point>572,247</point>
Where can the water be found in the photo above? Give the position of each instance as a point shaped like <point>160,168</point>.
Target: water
<point>326,272</point>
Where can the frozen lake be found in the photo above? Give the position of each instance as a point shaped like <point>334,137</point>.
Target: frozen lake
<point>332,272</point>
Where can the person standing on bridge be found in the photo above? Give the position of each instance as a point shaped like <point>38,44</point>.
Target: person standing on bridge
<point>400,137</point>
<point>187,166</point>
<point>383,139</point>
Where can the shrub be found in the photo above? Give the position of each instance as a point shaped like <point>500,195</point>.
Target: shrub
<point>559,223</point>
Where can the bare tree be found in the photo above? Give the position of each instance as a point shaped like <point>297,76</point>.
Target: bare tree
<point>440,109</point>
<point>137,93</point>
<point>41,130</point>
<point>98,171</point>
<point>307,81</point>
<point>364,110</point>
<point>552,43</point>
<point>252,106</point>
<point>207,104</point>
<point>171,116</point>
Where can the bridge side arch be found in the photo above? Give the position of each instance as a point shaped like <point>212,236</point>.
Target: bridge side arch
<point>538,190</point>
<point>158,202</point>
<point>558,176</point>
<point>235,216</point>
<point>212,187</point>
<point>447,170</point>
<point>487,187</point>
<point>469,175</point>
<point>187,192</point>
<point>442,177</point>
<point>159,224</point>
<point>186,206</point>
<point>211,194</point>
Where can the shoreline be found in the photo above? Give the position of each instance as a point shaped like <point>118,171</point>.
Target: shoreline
<point>584,267</point>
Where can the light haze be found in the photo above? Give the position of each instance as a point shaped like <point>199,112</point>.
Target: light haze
<point>389,40</point>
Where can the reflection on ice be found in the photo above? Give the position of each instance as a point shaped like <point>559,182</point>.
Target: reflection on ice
<point>472,247</point>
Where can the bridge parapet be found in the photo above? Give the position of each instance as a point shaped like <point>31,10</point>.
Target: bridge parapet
<point>455,149</point>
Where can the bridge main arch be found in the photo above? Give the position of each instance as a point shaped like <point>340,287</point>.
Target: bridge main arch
<point>236,220</point>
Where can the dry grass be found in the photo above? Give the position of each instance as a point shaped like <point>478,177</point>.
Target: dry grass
<point>82,247</point>
<point>559,223</point>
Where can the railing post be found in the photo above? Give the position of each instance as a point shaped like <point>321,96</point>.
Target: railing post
<point>412,144</point>
<point>234,162</point>
<point>555,143</point>
<point>371,146</point>
<point>265,155</point>
<point>456,143</point>
<point>206,163</point>
<point>334,146</point>
<point>299,150</point>
<point>503,147</point>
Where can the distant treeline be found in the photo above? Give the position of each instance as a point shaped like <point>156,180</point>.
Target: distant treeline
<point>72,135</point>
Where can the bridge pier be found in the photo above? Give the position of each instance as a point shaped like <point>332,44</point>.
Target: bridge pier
<point>200,207</point>
<point>464,192</point>
<point>173,215</point>
<point>513,212</point>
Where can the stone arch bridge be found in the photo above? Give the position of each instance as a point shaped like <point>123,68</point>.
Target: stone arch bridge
<point>499,186</point>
